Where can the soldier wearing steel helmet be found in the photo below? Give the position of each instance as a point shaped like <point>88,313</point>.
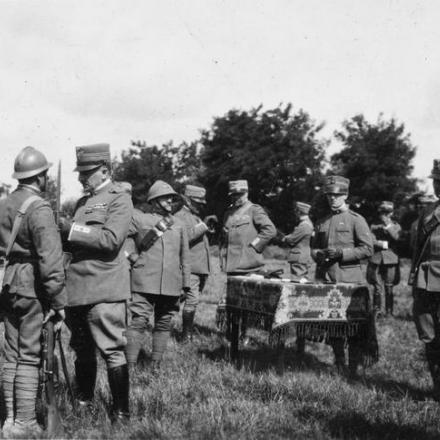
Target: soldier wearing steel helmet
<point>383,270</point>
<point>425,279</point>
<point>33,289</point>
<point>189,214</point>
<point>98,279</point>
<point>341,240</point>
<point>160,272</point>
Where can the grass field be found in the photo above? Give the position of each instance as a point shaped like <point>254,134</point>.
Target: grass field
<point>199,395</point>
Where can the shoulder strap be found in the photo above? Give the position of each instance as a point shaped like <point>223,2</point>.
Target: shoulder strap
<point>17,221</point>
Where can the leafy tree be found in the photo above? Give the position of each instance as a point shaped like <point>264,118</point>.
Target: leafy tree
<point>377,160</point>
<point>277,151</point>
<point>142,165</point>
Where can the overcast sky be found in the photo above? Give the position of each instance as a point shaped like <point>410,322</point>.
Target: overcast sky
<point>81,72</point>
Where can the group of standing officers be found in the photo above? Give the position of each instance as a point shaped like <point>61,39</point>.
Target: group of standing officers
<point>160,258</point>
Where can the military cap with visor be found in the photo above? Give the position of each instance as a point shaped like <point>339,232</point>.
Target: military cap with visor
<point>29,162</point>
<point>89,157</point>
<point>160,189</point>
<point>195,193</point>
<point>336,185</point>
<point>238,186</point>
<point>302,208</point>
<point>386,206</point>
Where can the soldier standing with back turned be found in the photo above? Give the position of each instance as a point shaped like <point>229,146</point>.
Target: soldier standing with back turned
<point>97,279</point>
<point>342,239</point>
<point>33,290</point>
<point>425,279</point>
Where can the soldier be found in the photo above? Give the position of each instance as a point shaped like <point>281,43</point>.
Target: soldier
<point>98,281</point>
<point>33,289</point>
<point>425,279</point>
<point>194,202</point>
<point>342,239</point>
<point>159,273</point>
<point>247,231</point>
<point>299,257</point>
<point>383,270</point>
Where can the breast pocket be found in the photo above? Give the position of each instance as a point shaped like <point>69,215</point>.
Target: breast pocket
<point>97,216</point>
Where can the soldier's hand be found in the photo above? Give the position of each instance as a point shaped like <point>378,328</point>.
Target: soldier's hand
<point>333,254</point>
<point>57,316</point>
<point>64,226</point>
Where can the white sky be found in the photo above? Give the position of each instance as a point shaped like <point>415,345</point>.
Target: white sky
<point>80,72</point>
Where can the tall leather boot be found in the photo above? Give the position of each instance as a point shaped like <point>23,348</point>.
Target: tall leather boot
<point>389,300</point>
<point>133,347</point>
<point>85,375</point>
<point>119,387</point>
<point>377,302</point>
<point>433,358</point>
<point>187,325</point>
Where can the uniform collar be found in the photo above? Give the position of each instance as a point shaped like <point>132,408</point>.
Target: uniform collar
<point>30,188</point>
<point>340,210</point>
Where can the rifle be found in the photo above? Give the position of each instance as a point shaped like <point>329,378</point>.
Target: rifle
<point>53,423</point>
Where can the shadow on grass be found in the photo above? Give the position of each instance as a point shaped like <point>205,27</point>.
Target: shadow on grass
<point>396,390</point>
<point>264,358</point>
<point>353,425</point>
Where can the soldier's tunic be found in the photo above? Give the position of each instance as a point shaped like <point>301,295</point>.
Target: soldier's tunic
<point>299,256</point>
<point>426,306</point>
<point>348,231</point>
<point>97,279</point>
<point>247,231</point>
<point>198,255</point>
<point>383,266</point>
<point>34,277</point>
<point>158,276</point>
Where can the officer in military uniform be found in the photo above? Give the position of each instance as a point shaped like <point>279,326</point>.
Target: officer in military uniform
<point>247,230</point>
<point>425,279</point>
<point>97,279</point>
<point>161,270</point>
<point>299,257</point>
<point>383,270</point>
<point>342,239</point>
<point>33,289</point>
<point>189,215</point>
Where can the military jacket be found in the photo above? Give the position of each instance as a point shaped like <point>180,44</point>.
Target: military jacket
<point>164,268</point>
<point>348,231</point>
<point>389,234</point>
<point>35,268</point>
<point>198,241</point>
<point>247,230</point>
<point>299,240</point>
<point>428,274</point>
<point>99,270</point>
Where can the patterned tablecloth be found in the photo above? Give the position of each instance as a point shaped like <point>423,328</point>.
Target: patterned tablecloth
<point>314,311</point>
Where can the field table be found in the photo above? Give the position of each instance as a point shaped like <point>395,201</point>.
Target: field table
<point>283,308</point>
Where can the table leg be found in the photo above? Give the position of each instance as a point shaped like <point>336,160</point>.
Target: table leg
<point>235,336</point>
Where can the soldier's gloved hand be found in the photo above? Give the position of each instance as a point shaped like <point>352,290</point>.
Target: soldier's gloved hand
<point>57,316</point>
<point>64,226</point>
<point>333,254</point>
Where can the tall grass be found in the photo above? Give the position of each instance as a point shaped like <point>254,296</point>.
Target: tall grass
<point>198,394</point>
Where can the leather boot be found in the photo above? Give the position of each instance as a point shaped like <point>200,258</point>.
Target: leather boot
<point>389,300</point>
<point>119,385</point>
<point>187,325</point>
<point>433,358</point>
<point>354,357</point>
<point>339,352</point>
<point>377,303</point>
<point>85,374</point>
